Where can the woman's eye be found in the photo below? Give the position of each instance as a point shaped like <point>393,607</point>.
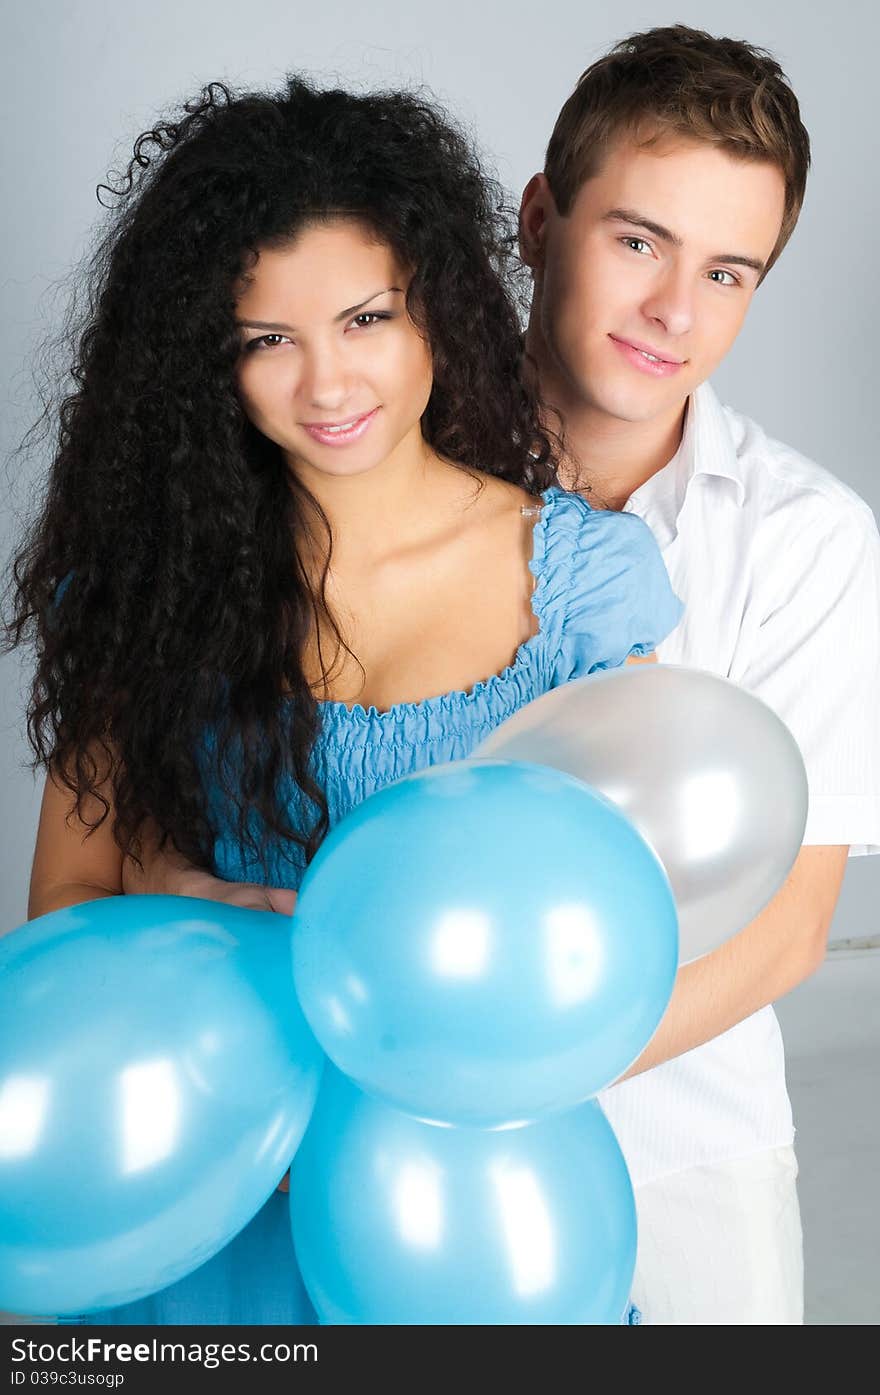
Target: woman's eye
<point>367,318</point>
<point>266,341</point>
<point>718,273</point>
<point>637,244</point>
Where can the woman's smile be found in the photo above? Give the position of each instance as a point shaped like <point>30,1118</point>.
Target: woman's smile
<point>340,433</point>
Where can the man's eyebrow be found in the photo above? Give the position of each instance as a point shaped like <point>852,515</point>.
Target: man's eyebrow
<point>737,259</point>
<point>630,215</point>
<point>274,328</point>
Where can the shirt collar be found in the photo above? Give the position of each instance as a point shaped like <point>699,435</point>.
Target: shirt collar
<point>707,446</point>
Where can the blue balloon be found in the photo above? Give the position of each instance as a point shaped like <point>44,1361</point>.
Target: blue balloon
<point>397,1221</point>
<point>156,1077</point>
<point>255,1279</point>
<point>484,943</point>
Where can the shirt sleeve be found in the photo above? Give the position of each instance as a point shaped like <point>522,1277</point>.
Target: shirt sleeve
<point>606,592</point>
<point>814,657</point>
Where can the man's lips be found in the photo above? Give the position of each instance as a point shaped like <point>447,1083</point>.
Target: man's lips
<point>340,433</point>
<point>646,358</point>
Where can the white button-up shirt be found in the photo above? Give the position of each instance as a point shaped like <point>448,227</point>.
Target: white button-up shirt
<point>778,565</point>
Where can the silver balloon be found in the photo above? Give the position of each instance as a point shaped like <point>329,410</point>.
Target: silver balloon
<point>709,775</point>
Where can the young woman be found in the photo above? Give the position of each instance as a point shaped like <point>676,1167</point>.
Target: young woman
<point>302,536</point>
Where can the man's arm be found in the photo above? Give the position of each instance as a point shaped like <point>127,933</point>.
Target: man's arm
<point>814,657</point>
<point>773,954</point>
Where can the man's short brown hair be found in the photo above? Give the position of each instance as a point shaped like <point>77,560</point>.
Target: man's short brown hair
<point>682,82</point>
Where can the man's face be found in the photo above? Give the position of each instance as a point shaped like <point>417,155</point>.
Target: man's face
<point>642,288</point>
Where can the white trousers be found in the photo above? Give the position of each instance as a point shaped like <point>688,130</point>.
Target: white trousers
<point>722,1245</point>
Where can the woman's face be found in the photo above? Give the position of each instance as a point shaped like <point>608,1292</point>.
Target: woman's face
<point>332,369</point>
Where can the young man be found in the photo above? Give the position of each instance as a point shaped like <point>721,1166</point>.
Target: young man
<point>674,177</point>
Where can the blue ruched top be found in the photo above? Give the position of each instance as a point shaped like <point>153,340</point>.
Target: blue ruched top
<point>601,593</point>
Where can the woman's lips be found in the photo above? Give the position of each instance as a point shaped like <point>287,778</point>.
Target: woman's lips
<point>644,359</point>
<point>343,433</point>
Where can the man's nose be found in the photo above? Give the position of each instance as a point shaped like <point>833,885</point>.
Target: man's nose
<point>671,302</point>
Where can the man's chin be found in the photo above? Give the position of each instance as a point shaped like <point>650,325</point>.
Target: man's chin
<point>636,408</point>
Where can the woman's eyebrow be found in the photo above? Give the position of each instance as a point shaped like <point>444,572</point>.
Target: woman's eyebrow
<point>353,309</point>
<point>277,328</point>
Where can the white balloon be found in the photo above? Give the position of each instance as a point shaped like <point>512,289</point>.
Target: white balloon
<point>708,773</point>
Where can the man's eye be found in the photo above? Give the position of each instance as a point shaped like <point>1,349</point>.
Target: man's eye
<point>718,273</point>
<point>637,244</point>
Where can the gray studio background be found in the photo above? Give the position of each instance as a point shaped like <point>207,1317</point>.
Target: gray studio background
<point>79,80</point>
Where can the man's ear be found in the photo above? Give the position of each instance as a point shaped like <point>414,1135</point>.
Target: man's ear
<point>535,206</point>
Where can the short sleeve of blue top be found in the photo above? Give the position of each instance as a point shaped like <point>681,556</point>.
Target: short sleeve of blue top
<point>601,594</point>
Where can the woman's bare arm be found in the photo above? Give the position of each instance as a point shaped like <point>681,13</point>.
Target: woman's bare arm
<point>71,863</point>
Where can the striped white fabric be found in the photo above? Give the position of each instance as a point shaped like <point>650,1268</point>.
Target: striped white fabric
<point>778,565</point>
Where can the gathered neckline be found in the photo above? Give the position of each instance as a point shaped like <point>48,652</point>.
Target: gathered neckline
<point>455,697</point>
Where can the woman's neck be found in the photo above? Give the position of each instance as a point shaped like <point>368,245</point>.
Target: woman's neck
<point>377,512</point>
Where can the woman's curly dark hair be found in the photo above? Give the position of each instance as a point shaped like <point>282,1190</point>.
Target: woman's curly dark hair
<point>161,582</point>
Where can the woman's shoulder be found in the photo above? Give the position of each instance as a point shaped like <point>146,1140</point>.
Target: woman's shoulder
<point>573,531</point>
<point>602,590</point>
<point>499,496</point>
